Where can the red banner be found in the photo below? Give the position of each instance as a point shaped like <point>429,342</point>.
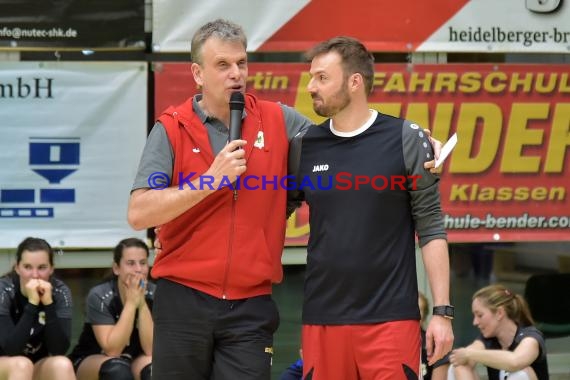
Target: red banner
<point>508,177</point>
<point>392,26</point>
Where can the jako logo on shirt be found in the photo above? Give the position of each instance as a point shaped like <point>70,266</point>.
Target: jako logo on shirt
<point>320,168</point>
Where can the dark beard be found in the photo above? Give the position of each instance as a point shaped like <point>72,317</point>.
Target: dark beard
<point>341,100</point>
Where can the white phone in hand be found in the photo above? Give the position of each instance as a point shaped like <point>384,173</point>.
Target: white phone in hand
<point>446,149</point>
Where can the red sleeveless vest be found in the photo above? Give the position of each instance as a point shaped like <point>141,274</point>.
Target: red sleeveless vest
<point>226,247</point>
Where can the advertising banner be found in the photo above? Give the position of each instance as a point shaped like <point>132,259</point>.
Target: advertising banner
<point>402,26</point>
<point>509,175</point>
<point>71,24</point>
<point>71,137</point>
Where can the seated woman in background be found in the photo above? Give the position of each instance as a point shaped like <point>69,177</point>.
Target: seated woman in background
<point>35,317</point>
<point>116,341</point>
<point>509,345</point>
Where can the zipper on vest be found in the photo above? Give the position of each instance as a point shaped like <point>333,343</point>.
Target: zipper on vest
<point>230,246</point>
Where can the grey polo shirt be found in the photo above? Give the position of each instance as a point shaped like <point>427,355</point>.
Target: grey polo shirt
<point>158,155</point>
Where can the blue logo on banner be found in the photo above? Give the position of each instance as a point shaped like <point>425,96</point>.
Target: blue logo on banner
<point>53,159</point>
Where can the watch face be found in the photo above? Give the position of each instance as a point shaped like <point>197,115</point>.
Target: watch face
<point>447,311</point>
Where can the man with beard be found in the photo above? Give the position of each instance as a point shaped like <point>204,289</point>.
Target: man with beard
<point>360,309</point>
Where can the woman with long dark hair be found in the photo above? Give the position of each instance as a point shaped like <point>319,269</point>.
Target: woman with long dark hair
<point>35,317</point>
<point>116,341</point>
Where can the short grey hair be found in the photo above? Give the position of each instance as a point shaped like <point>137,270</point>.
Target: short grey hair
<point>224,30</point>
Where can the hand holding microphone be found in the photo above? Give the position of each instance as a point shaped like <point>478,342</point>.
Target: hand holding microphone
<point>230,161</point>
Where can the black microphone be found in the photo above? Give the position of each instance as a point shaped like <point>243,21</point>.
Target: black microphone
<point>237,103</point>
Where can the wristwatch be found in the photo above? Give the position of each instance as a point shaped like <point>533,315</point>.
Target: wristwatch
<point>446,311</point>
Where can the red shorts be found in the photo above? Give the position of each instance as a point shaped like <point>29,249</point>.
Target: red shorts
<point>382,351</point>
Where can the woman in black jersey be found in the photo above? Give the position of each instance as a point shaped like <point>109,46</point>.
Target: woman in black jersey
<point>35,317</point>
<point>116,341</point>
<point>509,345</point>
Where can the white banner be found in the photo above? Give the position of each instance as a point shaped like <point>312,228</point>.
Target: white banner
<point>175,21</point>
<point>404,25</point>
<point>71,135</point>
<point>539,26</point>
